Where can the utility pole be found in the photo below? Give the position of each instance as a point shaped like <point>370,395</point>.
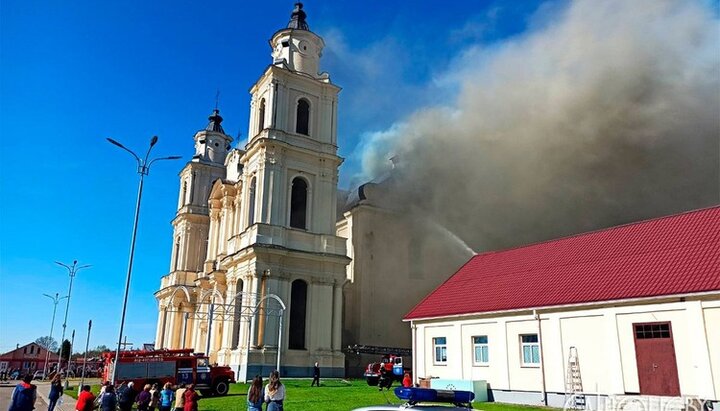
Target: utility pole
<point>87,345</point>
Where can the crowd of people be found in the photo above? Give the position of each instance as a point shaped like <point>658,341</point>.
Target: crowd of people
<point>153,397</point>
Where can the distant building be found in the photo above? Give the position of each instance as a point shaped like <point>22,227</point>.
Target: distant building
<point>28,359</point>
<point>638,304</point>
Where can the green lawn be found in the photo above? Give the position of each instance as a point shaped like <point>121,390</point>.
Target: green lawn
<point>333,395</point>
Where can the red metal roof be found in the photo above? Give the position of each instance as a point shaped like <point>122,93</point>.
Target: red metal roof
<point>671,255</point>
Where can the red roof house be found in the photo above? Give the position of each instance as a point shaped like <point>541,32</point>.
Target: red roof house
<point>27,359</point>
<point>668,256</point>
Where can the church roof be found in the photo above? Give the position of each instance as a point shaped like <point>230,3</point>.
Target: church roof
<point>674,255</point>
<point>215,121</point>
<point>297,18</point>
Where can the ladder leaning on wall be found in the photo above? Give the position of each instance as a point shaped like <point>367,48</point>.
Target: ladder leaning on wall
<point>574,396</point>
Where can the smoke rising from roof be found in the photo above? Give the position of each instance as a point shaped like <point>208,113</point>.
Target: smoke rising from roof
<point>607,114</point>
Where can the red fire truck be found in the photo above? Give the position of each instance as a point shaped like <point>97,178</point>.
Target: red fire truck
<point>173,366</point>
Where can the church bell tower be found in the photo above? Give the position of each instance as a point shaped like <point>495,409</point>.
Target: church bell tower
<point>257,271</point>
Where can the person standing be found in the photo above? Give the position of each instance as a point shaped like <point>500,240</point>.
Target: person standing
<point>256,395</point>
<point>56,391</point>
<point>154,397</point>
<point>167,396</point>
<point>108,399</point>
<point>143,399</point>
<point>126,396</point>
<point>274,393</point>
<point>316,375</point>
<point>86,400</point>
<point>407,381</point>
<point>180,398</point>
<point>191,399</point>
<point>23,396</point>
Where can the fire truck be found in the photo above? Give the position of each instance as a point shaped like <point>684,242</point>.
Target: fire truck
<point>390,366</point>
<point>173,366</point>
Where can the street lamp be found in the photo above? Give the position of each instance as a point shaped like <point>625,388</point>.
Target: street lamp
<point>143,168</point>
<point>55,301</point>
<point>72,270</point>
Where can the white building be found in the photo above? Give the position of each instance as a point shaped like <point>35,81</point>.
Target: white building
<point>640,304</point>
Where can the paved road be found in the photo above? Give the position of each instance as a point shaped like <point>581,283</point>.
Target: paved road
<point>6,392</point>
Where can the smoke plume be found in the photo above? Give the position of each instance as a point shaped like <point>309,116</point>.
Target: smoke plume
<point>607,114</point>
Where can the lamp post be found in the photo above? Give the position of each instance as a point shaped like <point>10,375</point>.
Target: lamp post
<point>72,270</point>
<point>56,299</point>
<point>143,168</point>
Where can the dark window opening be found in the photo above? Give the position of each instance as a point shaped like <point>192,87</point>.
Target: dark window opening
<point>303,117</point>
<point>251,202</point>
<point>647,331</point>
<point>298,308</point>
<point>285,44</point>
<point>298,204</point>
<point>261,115</point>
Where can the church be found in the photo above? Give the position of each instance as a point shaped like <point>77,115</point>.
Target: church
<point>273,267</point>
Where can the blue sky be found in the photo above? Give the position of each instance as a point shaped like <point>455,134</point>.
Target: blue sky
<point>74,73</point>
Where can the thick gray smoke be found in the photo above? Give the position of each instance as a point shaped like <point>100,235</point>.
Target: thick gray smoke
<point>607,114</point>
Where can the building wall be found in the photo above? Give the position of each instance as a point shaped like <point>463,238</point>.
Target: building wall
<point>396,261</point>
<point>603,336</point>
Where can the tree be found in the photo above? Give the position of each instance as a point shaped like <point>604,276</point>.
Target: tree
<point>66,350</point>
<point>94,352</point>
<point>48,343</point>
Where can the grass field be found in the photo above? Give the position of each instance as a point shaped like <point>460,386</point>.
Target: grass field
<point>333,395</point>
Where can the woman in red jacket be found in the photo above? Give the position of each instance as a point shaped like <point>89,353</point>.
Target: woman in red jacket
<point>191,399</point>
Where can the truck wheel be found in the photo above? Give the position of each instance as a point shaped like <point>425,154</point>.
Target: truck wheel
<point>221,388</point>
<point>373,381</point>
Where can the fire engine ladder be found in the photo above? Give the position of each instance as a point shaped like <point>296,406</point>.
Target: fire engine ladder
<point>374,349</point>
<point>574,396</point>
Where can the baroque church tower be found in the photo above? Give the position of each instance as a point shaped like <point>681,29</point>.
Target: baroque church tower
<point>257,273</point>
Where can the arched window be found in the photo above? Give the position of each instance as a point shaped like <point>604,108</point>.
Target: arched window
<point>298,203</point>
<point>303,117</point>
<point>177,254</point>
<point>238,310</point>
<point>251,202</point>
<point>261,116</point>
<point>184,194</point>
<point>298,308</point>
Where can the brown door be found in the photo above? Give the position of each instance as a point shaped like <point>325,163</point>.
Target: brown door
<point>655,354</point>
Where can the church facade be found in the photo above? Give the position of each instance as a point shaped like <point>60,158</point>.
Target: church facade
<point>272,266</point>
<point>255,253</point>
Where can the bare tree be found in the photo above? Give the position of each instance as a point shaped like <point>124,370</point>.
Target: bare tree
<point>48,343</point>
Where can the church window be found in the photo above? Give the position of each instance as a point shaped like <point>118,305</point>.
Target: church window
<point>238,310</point>
<point>251,202</point>
<point>184,193</point>
<point>261,116</point>
<point>298,203</point>
<point>177,253</point>
<point>298,309</point>
<point>303,117</point>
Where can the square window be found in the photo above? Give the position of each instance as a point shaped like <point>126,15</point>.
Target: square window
<point>530,349</point>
